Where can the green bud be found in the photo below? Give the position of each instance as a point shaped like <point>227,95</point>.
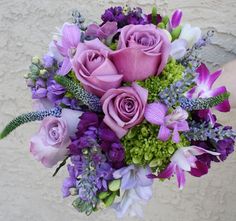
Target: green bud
<point>161,25</point>
<point>171,149</point>
<point>26,76</point>
<point>114,185</point>
<point>34,69</point>
<point>144,132</point>
<point>166,20</point>
<point>73,192</point>
<point>42,72</point>
<point>176,33</point>
<point>109,201</point>
<point>154,15</point>
<point>103,195</point>
<point>85,151</point>
<point>154,163</point>
<point>131,134</point>
<point>35,60</point>
<point>136,160</point>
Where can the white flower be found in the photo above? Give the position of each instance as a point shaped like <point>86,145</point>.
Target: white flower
<point>190,34</point>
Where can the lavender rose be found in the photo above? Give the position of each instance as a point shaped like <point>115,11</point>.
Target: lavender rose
<point>143,51</point>
<point>50,144</point>
<point>94,69</point>
<point>124,108</point>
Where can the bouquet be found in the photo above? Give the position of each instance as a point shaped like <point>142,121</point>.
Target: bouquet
<point>124,103</point>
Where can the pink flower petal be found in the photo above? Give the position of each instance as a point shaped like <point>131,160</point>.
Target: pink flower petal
<point>180,177</point>
<point>168,172</point>
<point>196,151</point>
<point>200,170</point>
<point>203,74</point>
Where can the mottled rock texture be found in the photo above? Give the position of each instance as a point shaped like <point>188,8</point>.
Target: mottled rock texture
<point>27,191</point>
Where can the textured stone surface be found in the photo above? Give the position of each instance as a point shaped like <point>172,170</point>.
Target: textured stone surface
<point>27,191</point>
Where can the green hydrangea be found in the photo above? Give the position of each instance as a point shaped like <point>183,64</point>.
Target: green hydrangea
<point>143,148</point>
<point>172,73</point>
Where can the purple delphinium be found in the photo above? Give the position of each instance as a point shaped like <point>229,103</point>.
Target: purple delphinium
<point>124,16</point>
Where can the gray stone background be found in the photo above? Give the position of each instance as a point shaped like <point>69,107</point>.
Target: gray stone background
<point>27,190</point>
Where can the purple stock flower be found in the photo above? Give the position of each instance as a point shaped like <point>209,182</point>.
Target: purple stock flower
<point>156,113</point>
<point>39,91</point>
<point>55,91</point>
<point>183,160</point>
<point>48,61</point>
<point>124,16</point>
<point>70,38</point>
<point>176,18</point>
<point>70,181</point>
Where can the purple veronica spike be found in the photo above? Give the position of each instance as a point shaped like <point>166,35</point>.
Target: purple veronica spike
<point>183,160</point>
<point>156,113</point>
<point>176,18</point>
<point>203,89</point>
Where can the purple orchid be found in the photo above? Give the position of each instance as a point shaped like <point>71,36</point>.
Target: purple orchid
<point>203,89</point>
<point>102,32</point>
<point>183,160</point>
<point>70,38</point>
<point>176,18</point>
<point>156,113</point>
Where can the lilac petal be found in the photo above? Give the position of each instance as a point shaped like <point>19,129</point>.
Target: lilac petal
<point>71,35</point>
<point>143,180</point>
<point>180,177</point>
<point>155,113</point>
<point>225,105</point>
<point>200,170</point>
<point>121,172</point>
<point>168,172</point>
<point>145,193</point>
<point>128,181</point>
<point>164,133</point>
<point>66,67</point>
<point>176,18</point>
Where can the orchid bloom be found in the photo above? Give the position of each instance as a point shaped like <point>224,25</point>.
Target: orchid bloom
<point>176,18</point>
<point>203,89</point>
<point>70,36</point>
<point>137,187</point>
<point>183,160</point>
<point>156,113</point>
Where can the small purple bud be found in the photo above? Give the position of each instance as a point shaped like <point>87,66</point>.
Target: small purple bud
<point>176,18</point>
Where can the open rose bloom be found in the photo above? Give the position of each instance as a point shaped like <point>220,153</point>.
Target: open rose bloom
<point>124,102</point>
